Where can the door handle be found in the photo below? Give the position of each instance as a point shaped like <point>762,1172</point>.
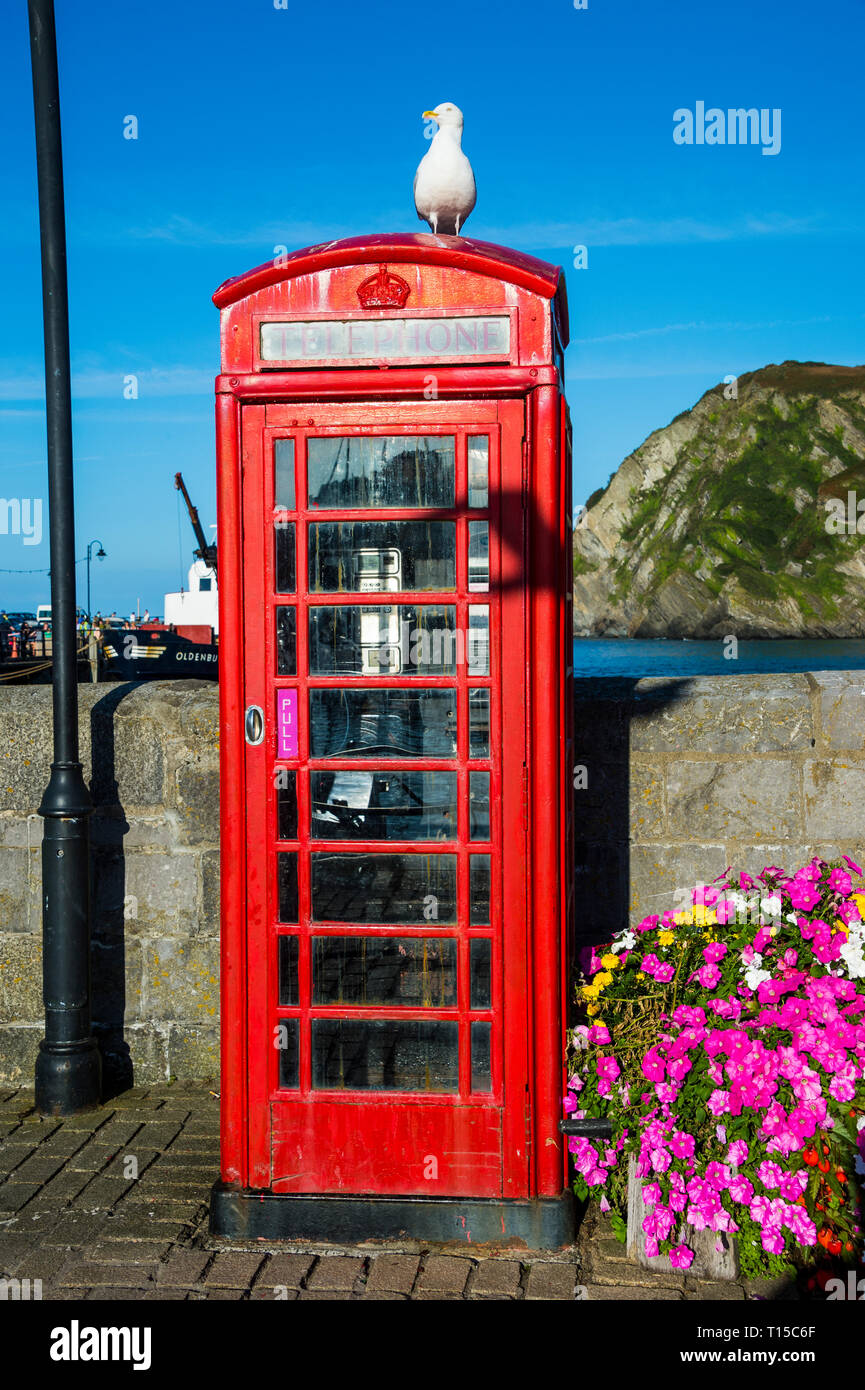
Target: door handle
<point>254,724</point>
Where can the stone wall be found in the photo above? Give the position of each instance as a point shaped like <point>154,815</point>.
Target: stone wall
<point>150,755</point>
<point>687,776</point>
<point>683,777</point>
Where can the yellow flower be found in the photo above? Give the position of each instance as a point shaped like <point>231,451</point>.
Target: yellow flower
<point>859,900</point>
<point>640,975</point>
<point>840,926</point>
<point>592,1009</point>
<point>684,919</point>
<point>610,962</point>
<point>666,938</point>
<point>603,979</point>
<point>591,991</point>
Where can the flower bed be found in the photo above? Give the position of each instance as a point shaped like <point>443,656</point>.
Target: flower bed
<point>726,1046</point>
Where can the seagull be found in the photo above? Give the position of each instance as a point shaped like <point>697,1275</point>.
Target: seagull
<point>444,185</point>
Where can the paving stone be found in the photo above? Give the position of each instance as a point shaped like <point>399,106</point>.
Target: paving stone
<point>63,1187</point>
<point>227,1295</point>
<point>287,1271</point>
<point>497,1279</point>
<point>183,1268</point>
<point>92,1158</point>
<point>91,1275</point>
<point>551,1280</point>
<point>130,1252</point>
<point>714,1290</point>
<point>113,1295</point>
<point>76,1228</point>
<point>444,1274</point>
<point>392,1274</point>
<point>602,1270</point>
<point>119,1165</point>
<point>436,1295</point>
<point>158,1136</point>
<point>624,1293</point>
<point>335,1272</point>
<point>262,1294</point>
<point>119,1132</point>
<point>328,1295</point>
<point>15,1195</point>
<point>385,1297</point>
<point>233,1270</point>
<point>102,1193</point>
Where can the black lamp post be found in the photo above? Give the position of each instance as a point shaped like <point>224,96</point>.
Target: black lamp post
<point>100,555</point>
<point>68,1068</point>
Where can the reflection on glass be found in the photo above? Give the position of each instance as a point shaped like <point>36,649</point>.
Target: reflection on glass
<point>364,639</point>
<point>478,644</point>
<point>286,641</point>
<point>482,1075</point>
<point>286,804</point>
<point>289,992</point>
<point>413,889</point>
<point>286,884</point>
<point>396,723</point>
<point>479,470</point>
<point>479,723</point>
<point>368,556</point>
<point>479,805</point>
<point>479,890</point>
<point>371,805</point>
<point>391,471</point>
<point>418,972</point>
<point>287,1038</point>
<point>479,555</point>
<point>361,1054</point>
<point>480,963</point>
<point>285,574</point>
<point>283,474</point>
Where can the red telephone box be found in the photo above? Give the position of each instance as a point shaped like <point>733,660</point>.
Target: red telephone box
<point>394,572</point>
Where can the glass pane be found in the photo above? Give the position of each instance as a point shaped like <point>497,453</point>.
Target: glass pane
<point>479,555</point>
<point>479,470</point>
<point>482,1075</point>
<point>392,471</point>
<point>384,888</point>
<point>284,561</point>
<point>382,640</point>
<point>478,645</point>
<point>286,642</point>
<point>479,890</point>
<point>289,992</point>
<point>384,1055</point>
<point>368,556</point>
<point>286,804</point>
<point>287,885</point>
<point>479,805</point>
<point>480,962</point>
<point>283,474</point>
<point>479,723</point>
<point>367,805</point>
<point>420,972</point>
<point>397,723</point>
<point>287,1040</point>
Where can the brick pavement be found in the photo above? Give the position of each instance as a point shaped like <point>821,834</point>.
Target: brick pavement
<point>114,1205</point>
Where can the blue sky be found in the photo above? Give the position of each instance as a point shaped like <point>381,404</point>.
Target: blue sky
<point>261,126</point>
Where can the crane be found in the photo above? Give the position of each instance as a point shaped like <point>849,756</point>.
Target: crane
<point>206,550</point>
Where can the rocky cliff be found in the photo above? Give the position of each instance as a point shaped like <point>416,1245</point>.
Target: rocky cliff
<point>736,517</point>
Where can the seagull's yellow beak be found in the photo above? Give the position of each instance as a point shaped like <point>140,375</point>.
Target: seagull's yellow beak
<point>431,114</point>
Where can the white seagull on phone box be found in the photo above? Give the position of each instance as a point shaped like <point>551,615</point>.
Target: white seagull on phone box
<point>444,185</point>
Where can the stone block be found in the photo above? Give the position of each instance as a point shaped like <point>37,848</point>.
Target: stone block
<point>841,706</point>
<point>663,875</point>
<point>647,800</point>
<point>19,1044</point>
<point>14,913</point>
<point>181,980</point>
<point>197,795</point>
<point>834,797</point>
<point>732,714</point>
<point>208,922</point>
<point>756,798</point>
<point>161,893</point>
<point>20,979</point>
<point>194,1051</point>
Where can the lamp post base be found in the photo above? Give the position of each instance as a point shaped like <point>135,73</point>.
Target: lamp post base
<point>68,1077</point>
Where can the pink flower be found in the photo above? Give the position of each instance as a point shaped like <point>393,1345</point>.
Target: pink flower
<point>803,895</point>
<point>681,1257</point>
<point>737,1152</point>
<point>664,973</point>
<point>599,1033</point>
<point>840,882</point>
<point>770,1174</point>
<point>741,1190</point>
<point>715,951</point>
<point>718,1103</point>
<point>708,975</point>
<point>851,865</point>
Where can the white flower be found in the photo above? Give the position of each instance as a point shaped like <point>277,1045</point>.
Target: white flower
<point>852,955</point>
<point>791,917</point>
<point>771,906</point>
<point>626,942</point>
<point>754,977</point>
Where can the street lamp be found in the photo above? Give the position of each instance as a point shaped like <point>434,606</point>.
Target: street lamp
<point>100,555</point>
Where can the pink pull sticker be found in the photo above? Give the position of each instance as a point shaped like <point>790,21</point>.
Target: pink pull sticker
<point>286,723</point>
